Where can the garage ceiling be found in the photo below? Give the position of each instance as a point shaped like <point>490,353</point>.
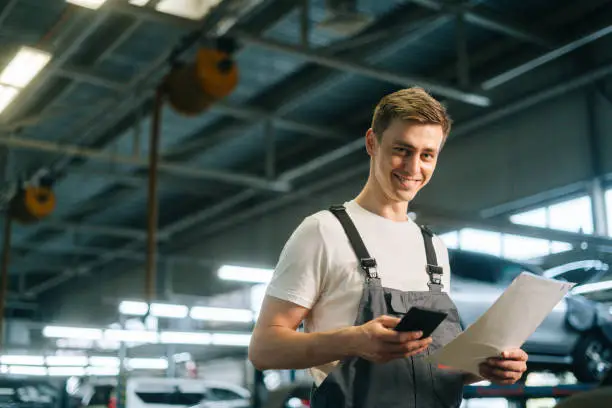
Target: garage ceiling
<point>305,96</point>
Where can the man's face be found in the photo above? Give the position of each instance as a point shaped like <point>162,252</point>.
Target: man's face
<point>405,158</point>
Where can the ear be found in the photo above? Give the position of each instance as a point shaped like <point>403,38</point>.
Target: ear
<point>371,142</point>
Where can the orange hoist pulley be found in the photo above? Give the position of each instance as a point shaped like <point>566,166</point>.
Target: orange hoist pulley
<point>192,88</point>
<point>32,203</point>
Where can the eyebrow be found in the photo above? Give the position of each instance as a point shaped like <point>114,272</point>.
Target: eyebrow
<point>409,146</point>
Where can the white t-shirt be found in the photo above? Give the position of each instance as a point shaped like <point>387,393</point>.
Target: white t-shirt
<point>319,270</point>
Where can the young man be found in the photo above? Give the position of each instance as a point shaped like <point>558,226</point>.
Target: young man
<point>352,271</point>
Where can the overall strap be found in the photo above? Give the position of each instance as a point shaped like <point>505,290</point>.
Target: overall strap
<point>368,264</point>
<point>433,269</point>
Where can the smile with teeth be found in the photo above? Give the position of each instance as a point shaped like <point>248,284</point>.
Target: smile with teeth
<point>406,180</point>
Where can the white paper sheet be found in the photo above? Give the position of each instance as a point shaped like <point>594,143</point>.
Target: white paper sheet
<point>514,316</point>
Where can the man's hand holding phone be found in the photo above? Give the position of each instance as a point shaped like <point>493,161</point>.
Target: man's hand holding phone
<point>379,342</point>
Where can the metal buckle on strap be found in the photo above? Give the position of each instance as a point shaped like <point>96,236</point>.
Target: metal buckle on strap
<point>369,266</point>
<point>435,274</point>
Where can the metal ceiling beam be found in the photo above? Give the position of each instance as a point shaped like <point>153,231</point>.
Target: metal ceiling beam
<point>328,61</point>
<point>530,65</point>
<point>490,21</point>
<point>209,213</point>
<point>137,256</point>
<point>363,69</point>
<point>78,228</point>
<point>165,167</point>
<point>528,101</point>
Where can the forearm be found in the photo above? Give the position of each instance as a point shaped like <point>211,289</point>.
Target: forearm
<point>283,348</point>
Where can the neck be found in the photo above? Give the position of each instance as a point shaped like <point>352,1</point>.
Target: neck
<point>373,199</point>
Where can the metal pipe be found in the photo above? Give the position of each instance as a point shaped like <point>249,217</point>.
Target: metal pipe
<point>531,100</point>
<point>363,69</point>
<point>488,21</point>
<point>463,61</point>
<point>446,219</point>
<point>111,231</point>
<point>167,167</point>
<point>522,69</point>
<point>153,204</point>
<point>4,278</point>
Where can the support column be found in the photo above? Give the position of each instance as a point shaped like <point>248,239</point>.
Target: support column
<point>596,188</point>
<point>598,207</point>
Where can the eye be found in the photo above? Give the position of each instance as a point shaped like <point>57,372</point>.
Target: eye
<point>428,156</point>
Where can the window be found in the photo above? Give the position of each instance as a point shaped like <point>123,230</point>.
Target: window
<point>503,245</point>
<point>519,247</point>
<point>573,215</point>
<point>481,241</point>
<point>450,239</point>
<point>535,218</point>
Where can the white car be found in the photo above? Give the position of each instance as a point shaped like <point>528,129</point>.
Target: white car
<point>184,393</point>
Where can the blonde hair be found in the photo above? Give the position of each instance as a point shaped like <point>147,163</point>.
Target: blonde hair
<point>410,105</point>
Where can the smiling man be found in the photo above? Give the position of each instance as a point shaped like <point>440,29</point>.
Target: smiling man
<point>350,272</point>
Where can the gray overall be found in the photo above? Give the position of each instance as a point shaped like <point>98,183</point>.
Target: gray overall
<point>405,382</point>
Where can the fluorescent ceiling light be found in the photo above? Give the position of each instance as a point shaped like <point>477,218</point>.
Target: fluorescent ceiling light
<point>7,95</point>
<point>26,370</point>
<point>104,361</point>
<point>231,339</point>
<point>67,361</point>
<point>147,363</point>
<point>22,360</point>
<point>191,9</point>
<point>66,371</point>
<point>245,274</point>
<point>139,3</point>
<point>103,371</point>
<point>184,338</point>
<point>131,308</point>
<point>221,314</point>
<point>24,67</point>
<point>130,336</point>
<point>90,4</point>
<point>72,332</point>
<point>128,307</point>
<point>172,311</point>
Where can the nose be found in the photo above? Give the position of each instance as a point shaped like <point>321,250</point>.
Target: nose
<point>412,164</point>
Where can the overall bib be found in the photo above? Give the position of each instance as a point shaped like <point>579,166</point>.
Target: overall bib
<point>404,382</point>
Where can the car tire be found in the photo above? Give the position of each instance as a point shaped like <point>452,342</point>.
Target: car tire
<point>592,358</point>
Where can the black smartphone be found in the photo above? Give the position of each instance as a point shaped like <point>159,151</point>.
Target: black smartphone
<point>421,319</point>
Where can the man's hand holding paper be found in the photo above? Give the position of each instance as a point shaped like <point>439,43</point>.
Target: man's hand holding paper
<point>481,349</point>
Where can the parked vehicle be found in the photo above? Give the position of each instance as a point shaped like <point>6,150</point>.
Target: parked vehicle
<point>164,392</point>
<point>576,335</point>
<point>184,392</point>
<point>27,393</point>
<point>293,395</point>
